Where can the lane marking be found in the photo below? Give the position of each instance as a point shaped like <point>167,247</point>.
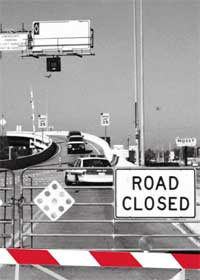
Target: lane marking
<point>98,152</point>
<point>49,272</point>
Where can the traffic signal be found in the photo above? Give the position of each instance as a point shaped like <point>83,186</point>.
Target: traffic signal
<point>53,64</point>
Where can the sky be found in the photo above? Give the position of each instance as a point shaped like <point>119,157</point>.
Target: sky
<point>105,82</point>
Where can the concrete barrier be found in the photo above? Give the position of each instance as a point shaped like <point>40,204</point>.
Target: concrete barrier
<point>44,143</point>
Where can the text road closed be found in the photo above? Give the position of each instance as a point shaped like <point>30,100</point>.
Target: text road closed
<point>155,193</point>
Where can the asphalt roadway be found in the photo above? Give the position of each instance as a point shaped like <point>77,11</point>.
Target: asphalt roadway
<point>49,234</point>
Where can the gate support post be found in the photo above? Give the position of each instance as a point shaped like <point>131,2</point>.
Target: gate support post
<point>17,272</point>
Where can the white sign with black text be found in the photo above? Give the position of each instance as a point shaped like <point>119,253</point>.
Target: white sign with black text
<point>13,41</point>
<point>186,142</point>
<point>105,119</point>
<point>42,121</point>
<point>155,193</point>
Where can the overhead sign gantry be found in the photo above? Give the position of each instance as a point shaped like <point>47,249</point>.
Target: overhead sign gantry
<point>51,39</point>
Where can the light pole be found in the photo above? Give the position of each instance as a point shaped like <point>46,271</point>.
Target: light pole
<point>142,144</point>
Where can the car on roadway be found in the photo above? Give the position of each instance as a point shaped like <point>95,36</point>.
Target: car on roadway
<point>90,170</point>
<point>76,144</point>
<point>74,133</point>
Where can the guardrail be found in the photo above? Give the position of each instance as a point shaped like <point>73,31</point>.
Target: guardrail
<point>41,141</point>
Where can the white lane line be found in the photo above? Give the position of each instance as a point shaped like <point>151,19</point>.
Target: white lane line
<point>38,215</point>
<point>98,152</point>
<point>49,272</point>
<point>28,227</point>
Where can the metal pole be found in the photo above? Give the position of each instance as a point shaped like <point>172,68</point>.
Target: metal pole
<point>137,139</point>
<point>33,113</point>
<point>141,87</point>
<point>10,152</point>
<point>47,110</point>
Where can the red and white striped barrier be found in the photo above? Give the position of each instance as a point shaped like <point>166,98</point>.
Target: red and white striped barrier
<point>100,258</point>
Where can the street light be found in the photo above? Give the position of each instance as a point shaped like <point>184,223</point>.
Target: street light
<point>139,129</point>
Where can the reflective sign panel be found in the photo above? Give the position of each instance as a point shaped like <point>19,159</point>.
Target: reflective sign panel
<point>13,41</point>
<point>54,201</point>
<point>146,193</point>
<point>66,35</point>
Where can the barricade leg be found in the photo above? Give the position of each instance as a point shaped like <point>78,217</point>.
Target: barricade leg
<point>17,272</point>
<point>180,275</point>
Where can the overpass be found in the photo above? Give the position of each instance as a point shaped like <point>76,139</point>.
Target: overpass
<point>43,141</point>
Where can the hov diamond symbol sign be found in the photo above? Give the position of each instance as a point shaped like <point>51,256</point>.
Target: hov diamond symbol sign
<point>54,201</point>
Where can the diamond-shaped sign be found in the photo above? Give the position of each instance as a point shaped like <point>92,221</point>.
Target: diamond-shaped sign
<point>54,200</point>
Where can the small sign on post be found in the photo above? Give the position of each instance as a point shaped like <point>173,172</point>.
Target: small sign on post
<point>155,193</point>
<point>2,122</point>
<point>186,142</point>
<point>105,119</point>
<point>42,121</point>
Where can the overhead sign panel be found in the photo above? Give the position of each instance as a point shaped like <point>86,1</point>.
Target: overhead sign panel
<point>155,193</point>
<point>13,41</point>
<point>61,35</point>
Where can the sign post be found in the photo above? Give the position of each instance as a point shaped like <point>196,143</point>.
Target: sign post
<point>155,193</point>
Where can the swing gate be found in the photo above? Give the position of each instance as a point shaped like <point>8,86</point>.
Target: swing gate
<point>89,224</point>
<point>89,227</point>
<point>7,208</point>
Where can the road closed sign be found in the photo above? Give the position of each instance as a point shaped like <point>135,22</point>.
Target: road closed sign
<point>154,193</point>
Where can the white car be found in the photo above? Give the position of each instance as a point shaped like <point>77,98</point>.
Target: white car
<point>90,170</point>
